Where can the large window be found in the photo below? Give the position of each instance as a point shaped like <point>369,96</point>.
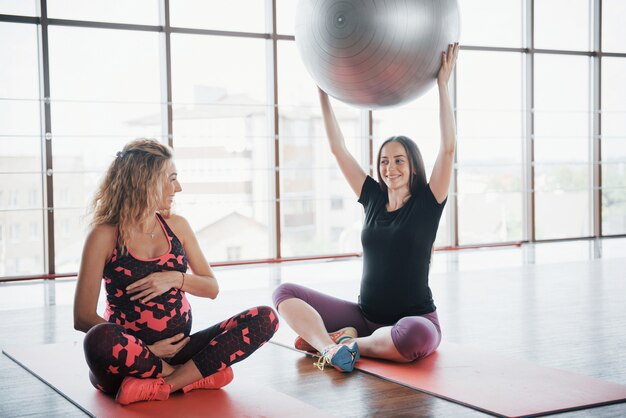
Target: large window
<point>562,145</point>
<point>105,89</point>
<point>562,24</point>
<point>19,7</point>
<point>21,191</point>
<point>613,28</point>
<point>285,16</point>
<point>489,147</point>
<point>231,15</point>
<point>539,100</point>
<point>224,149</point>
<point>319,211</point>
<point>492,22</point>
<point>145,12</point>
<point>614,146</point>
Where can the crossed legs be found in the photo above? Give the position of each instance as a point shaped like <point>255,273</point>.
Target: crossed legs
<point>112,354</point>
<point>313,314</point>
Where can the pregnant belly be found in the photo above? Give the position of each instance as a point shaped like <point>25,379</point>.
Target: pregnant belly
<point>166,316</point>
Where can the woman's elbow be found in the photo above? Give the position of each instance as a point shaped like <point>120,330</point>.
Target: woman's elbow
<point>210,289</point>
<point>80,324</point>
<point>214,291</point>
<point>83,322</point>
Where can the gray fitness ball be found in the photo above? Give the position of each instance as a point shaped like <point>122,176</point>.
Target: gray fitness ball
<point>375,53</point>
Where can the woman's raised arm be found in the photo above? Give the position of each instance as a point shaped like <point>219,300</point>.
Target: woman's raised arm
<point>442,170</point>
<point>352,171</point>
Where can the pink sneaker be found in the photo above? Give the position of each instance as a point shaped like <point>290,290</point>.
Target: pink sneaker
<point>137,390</point>
<point>215,381</point>
<point>337,337</point>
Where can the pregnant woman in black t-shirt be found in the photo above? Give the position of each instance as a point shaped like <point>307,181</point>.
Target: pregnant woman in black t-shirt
<point>395,317</point>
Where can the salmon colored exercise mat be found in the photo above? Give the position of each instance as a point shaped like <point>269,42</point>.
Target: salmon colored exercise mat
<point>63,368</point>
<point>490,383</point>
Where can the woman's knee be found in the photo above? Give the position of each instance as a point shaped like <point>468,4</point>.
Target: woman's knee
<point>285,291</point>
<point>415,337</point>
<point>105,333</point>
<point>269,319</point>
<point>100,340</point>
<point>270,315</point>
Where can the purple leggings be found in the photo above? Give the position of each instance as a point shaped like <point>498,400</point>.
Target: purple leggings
<point>415,337</point>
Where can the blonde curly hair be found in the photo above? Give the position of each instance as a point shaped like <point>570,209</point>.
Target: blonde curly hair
<point>132,188</point>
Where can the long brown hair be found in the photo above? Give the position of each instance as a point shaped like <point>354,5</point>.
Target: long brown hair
<point>416,163</point>
<point>132,187</point>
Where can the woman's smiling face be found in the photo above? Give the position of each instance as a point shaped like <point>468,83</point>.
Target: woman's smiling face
<point>394,167</point>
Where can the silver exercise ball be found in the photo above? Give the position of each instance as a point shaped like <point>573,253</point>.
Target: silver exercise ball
<point>375,53</point>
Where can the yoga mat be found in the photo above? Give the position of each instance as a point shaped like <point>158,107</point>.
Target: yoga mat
<point>491,383</point>
<point>63,368</point>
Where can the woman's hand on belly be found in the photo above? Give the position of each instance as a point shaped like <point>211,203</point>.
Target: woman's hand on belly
<point>168,347</point>
<point>153,285</point>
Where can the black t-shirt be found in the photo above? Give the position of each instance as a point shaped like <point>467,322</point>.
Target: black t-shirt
<point>396,254</point>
